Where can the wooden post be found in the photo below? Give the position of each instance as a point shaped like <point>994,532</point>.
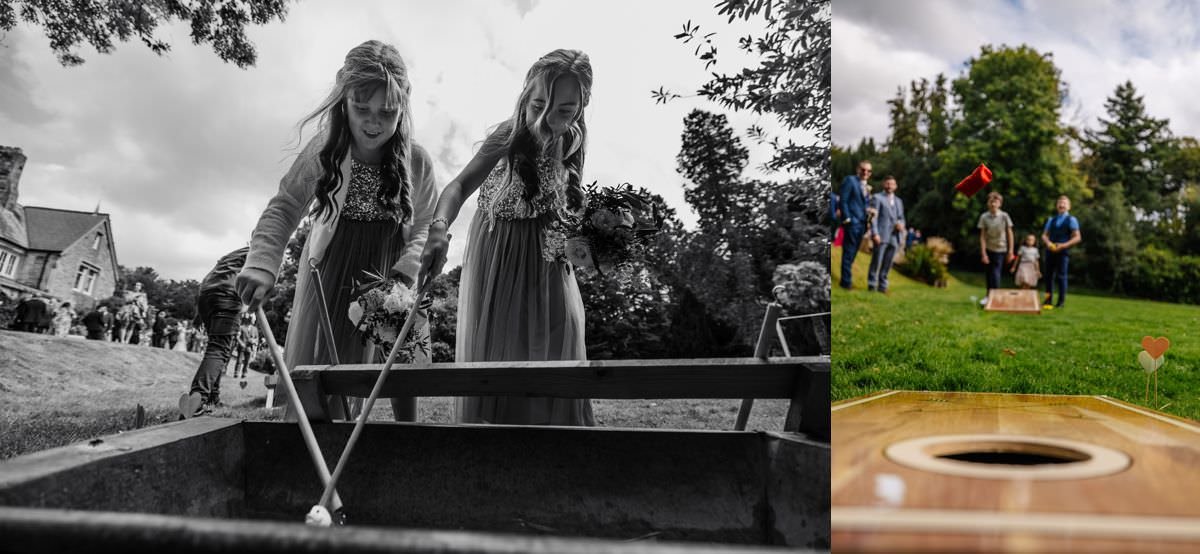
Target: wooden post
<point>326,326</point>
<point>761,351</point>
<point>808,412</point>
<point>269,382</point>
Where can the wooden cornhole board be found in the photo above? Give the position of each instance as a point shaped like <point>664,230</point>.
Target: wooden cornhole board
<point>880,502</point>
<point>1022,301</point>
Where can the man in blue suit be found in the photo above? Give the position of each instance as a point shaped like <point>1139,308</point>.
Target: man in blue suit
<point>852,201</point>
<point>887,233</point>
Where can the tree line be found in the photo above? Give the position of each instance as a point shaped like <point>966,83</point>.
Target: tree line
<point>1134,185</point>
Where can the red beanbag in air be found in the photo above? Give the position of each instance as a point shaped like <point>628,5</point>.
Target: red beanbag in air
<point>975,181</point>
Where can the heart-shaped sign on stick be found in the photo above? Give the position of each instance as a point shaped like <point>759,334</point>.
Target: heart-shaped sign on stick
<point>1148,362</point>
<point>1156,347</point>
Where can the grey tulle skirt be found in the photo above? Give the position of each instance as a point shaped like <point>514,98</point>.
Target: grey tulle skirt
<point>515,306</point>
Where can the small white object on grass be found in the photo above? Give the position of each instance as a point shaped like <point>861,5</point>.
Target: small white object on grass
<point>318,516</point>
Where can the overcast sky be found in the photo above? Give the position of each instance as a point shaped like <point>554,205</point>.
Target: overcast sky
<point>184,151</point>
<point>1096,44</point>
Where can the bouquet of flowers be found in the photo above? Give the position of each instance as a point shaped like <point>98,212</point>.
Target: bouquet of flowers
<point>612,233</point>
<point>379,312</point>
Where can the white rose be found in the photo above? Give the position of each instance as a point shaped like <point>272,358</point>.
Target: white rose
<point>578,253</point>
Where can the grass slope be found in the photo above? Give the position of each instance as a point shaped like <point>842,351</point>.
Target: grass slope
<point>922,338</point>
<point>56,390</point>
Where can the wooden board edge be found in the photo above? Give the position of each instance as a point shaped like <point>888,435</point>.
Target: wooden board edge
<point>978,522</point>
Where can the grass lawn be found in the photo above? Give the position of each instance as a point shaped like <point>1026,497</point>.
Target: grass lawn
<point>919,337</point>
<point>56,391</point>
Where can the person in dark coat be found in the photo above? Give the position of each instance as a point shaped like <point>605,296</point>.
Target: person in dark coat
<point>35,313</point>
<point>220,309</point>
<point>96,323</point>
<point>158,333</point>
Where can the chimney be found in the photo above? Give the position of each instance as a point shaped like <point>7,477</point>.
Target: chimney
<point>12,161</point>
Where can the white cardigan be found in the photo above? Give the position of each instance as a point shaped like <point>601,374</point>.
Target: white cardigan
<point>297,191</point>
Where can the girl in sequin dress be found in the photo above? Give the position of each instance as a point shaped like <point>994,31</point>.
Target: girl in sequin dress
<point>514,305</point>
<point>372,195</point>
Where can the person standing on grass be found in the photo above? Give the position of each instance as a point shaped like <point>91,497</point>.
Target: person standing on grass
<point>852,201</point>
<point>887,230</point>
<point>118,324</point>
<point>136,325</point>
<point>1027,269</point>
<point>247,345</point>
<point>995,240</point>
<point>1060,233</point>
<point>63,318</point>
<point>220,308</point>
<point>96,322</point>
<point>158,334</point>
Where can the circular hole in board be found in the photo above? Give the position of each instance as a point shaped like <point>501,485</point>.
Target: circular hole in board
<point>1007,457</point>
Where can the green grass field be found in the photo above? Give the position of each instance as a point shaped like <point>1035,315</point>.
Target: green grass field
<point>918,337</point>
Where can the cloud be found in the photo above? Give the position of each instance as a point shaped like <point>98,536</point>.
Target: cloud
<point>1096,44</point>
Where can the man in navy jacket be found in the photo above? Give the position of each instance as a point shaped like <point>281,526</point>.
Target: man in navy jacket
<point>852,201</point>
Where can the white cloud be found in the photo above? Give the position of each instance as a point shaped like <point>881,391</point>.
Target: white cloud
<point>185,150</point>
<point>1096,44</point>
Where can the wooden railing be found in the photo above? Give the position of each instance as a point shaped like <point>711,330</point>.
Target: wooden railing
<point>803,380</point>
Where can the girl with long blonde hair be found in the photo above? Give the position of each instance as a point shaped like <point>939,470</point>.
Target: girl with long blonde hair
<point>514,304</point>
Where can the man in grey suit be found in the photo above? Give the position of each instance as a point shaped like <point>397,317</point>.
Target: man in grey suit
<point>887,232</point>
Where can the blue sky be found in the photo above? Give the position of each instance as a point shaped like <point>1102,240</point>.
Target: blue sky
<point>1096,44</point>
<point>184,151</point>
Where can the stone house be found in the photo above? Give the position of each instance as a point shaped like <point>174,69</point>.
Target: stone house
<point>66,254</point>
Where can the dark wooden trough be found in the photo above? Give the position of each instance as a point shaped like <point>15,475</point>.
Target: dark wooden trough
<point>218,485</point>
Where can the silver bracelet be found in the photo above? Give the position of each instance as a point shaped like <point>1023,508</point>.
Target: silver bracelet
<point>442,219</point>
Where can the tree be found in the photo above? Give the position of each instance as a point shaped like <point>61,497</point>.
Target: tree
<point>722,272</point>
<point>71,23</point>
<point>713,160</point>
<point>792,81</point>
<point>1131,150</point>
<point>1184,166</point>
<point>919,131</point>
<point>177,298</point>
<point>1008,102</point>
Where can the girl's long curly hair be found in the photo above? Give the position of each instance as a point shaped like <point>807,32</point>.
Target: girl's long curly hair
<point>519,141</point>
<point>368,67</point>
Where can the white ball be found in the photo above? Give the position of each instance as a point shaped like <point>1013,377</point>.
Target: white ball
<point>318,516</point>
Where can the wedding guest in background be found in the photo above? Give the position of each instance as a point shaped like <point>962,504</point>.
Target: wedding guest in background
<point>852,200</point>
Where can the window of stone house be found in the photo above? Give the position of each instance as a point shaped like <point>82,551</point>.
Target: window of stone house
<point>96,241</point>
<point>8,263</point>
<point>85,279</point>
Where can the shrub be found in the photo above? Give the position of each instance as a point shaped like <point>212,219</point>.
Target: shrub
<point>1159,274</point>
<point>927,262</point>
<point>804,287</point>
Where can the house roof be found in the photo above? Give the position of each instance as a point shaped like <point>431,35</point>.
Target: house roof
<point>54,230</point>
<point>12,227</point>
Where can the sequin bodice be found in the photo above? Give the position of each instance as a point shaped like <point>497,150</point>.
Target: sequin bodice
<point>362,199</point>
<point>502,199</point>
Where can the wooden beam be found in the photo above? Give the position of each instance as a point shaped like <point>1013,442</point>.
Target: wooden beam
<point>612,379</point>
<point>39,530</point>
